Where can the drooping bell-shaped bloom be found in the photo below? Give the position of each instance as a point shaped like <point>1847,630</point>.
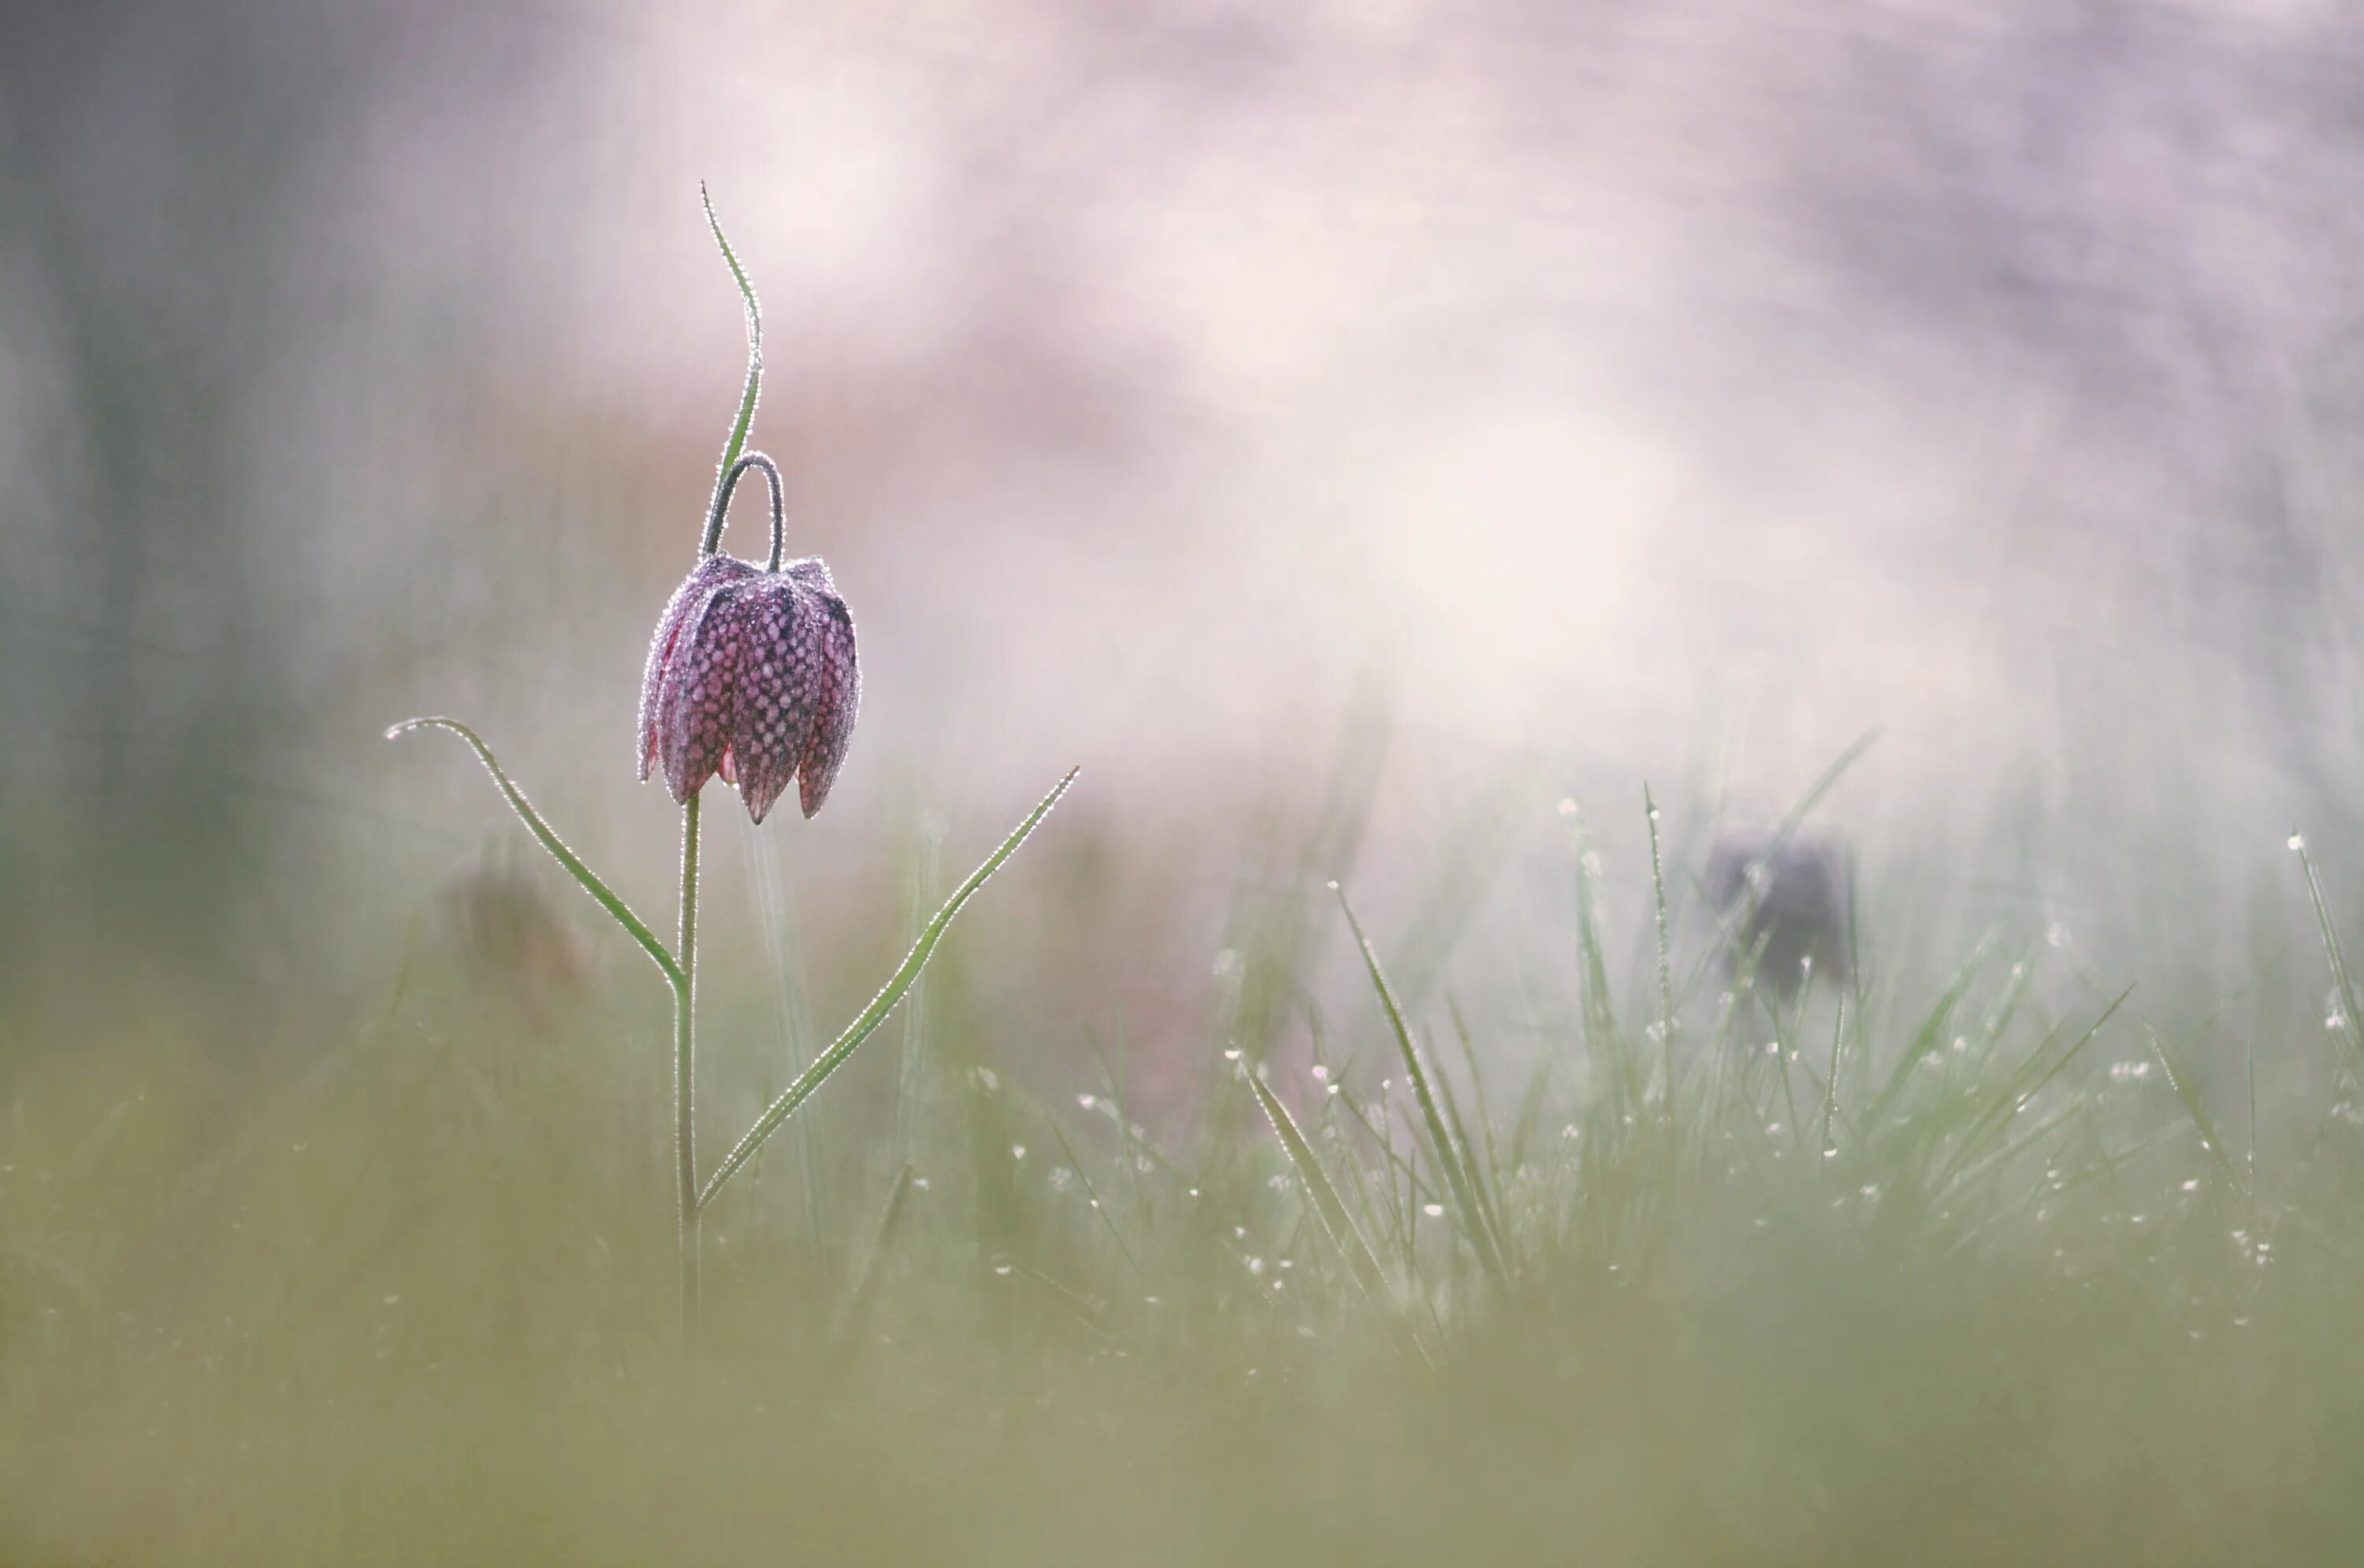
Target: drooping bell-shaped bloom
<point>751,676</point>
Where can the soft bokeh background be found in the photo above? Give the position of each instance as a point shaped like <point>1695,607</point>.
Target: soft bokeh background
<point>1372,440</point>
<point>1494,402</point>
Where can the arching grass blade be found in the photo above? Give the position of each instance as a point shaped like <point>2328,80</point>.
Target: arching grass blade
<point>1336,1222</point>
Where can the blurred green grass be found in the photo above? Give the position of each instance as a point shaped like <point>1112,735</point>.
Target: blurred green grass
<point>2017,1287</point>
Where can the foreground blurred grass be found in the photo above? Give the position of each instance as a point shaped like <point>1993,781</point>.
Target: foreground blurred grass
<point>2019,1288</point>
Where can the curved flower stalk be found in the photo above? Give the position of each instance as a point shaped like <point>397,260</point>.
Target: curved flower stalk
<point>751,678</point>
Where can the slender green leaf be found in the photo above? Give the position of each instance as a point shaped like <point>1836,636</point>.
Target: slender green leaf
<point>861,1029</point>
<point>2197,1110</point>
<point>1084,1176</point>
<point>1450,1158</point>
<point>1925,1038</point>
<point>1812,797</point>
<point>865,1283</point>
<point>2017,1091</point>
<point>1599,1012</point>
<point>1665,951</point>
<point>2351,1024</point>
<point>1479,1182</point>
<point>1490,1189</point>
<point>748,399</point>
<point>1336,1223</point>
<point>583,874</point>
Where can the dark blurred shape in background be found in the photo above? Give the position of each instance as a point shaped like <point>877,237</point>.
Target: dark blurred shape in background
<point>520,955</point>
<point>1784,908</point>
<point>1627,390</point>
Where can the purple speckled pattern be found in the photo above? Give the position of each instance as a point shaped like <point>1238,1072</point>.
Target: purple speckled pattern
<point>839,683</point>
<point>751,676</point>
<point>694,590</point>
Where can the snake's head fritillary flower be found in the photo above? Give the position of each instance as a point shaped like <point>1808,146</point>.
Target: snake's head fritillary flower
<point>1790,895</point>
<point>751,676</point>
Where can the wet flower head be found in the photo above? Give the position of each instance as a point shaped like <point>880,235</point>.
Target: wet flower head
<point>752,673</point>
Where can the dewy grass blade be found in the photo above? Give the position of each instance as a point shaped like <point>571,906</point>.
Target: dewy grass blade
<point>1382,1137</point>
<point>1601,1041</point>
<point>583,874</point>
<point>1479,1182</point>
<point>830,1061</point>
<point>1492,1185</point>
<point>1084,1178</point>
<point>2188,1092</point>
<point>1812,797</point>
<point>2017,1091</point>
<point>1831,1084</point>
<point>1450,1157</point>
<point>865,1283</point>
<point>1666,952</point>
<point>1331,1209</point>
<point>1924,1039</point>
<point>2351,1024</point>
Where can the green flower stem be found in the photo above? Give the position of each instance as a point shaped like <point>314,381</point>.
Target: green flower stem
<point>685,1102</point>
<point>687,1203</point>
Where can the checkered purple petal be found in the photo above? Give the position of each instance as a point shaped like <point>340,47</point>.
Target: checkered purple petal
<point>710,574</point>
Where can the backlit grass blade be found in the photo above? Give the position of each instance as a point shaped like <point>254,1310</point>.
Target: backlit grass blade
<point>830,1061</point>
<point>1339,1225</point>
<point>2194,1107</point>
<point>2017,1091</point>
<point>1450,1103</point>
<point>2351,1025</point>
<point>1822,786</point>
<point>1665,951</point>
<point>1924,1039</point>
<point>1450,1158</point>
<point>1602,1039</point>
<point>1491,1189</point>
<point>1083,1176</point>
<point>865,1283</point>
<point>1481,1181</point>
<point>585,877</point>
<point>1391,1162</point>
